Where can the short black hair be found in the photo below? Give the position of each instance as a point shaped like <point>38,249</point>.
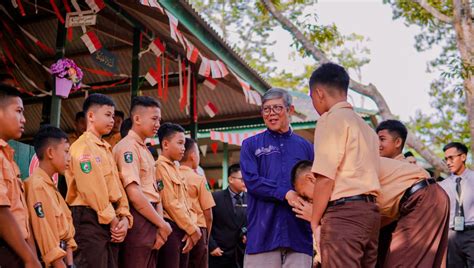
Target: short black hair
<point>125,127</point>
<point>188,147</point>
<point>7,92</point>
<point>120,114</point>
<point>459,146</point>
<point>408,154</point>
<point>144,101</point>
<point>79,115</point>
<point>46,136</point>
<point>233,169</point>
<point>97,99</point>
<point>396,128</point>
<point>299,167</point>
<point>332,75</point>
<point>167,130</point>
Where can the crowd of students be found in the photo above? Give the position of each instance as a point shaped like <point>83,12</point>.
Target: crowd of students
<point>354,194</point>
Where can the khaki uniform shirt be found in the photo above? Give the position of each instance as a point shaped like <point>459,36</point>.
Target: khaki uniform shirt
<point>50,216</point>
<point>174,196</point>
<point>11,188</point>
<point>346,151</point>
<point>136,164</point>
<point>73,137</point>
<point>199,195</point>
<point>93,179</point>
<point>395,177</point>
<point>113,139</point>
<point>401,157</point>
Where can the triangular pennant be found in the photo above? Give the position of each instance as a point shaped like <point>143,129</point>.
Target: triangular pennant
<point>203,149</point>
<point>214,147</point>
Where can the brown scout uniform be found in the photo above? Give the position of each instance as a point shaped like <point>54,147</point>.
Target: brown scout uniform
<point>72,137</point>
<point>347,151</point>
<point>177,211</point>
<point>136,165</point>
<point>420,238</point>
<point>96,196</point>
<point>113,139</point>
<point>12,196</point>
<point>50,217</point>
<point>200,199</point>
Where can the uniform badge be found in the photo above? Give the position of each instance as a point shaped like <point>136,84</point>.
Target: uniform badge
<point>160,185</point>
<point>86,166</point>
<point>128,157</point>
<point>39,210</point>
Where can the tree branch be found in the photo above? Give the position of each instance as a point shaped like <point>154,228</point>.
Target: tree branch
<point>434,12</point>
<point>370,90</point>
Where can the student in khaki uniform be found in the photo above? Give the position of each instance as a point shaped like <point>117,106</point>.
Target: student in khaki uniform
<point>95,194</point>
<point>15,234</point>
<point>201,201</point>
<point>346,167</point>
<point>80,125</point>
<point>114,137</point>
<point>137,172</point>
<point>50,216</point>
<point>177,210</point>
<point>407,195</point>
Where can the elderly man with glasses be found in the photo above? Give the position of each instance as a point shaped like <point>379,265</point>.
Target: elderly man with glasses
<point>276,237</point>
<point>460,189</point>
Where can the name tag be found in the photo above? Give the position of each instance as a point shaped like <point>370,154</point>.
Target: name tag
<point>459,223</point>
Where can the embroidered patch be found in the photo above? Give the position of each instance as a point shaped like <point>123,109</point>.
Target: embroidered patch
<point>160,185</point>
<point>266,150</point>
<point>128,157</point>
<point>97,159</point>
<point>39,210</point>
<point>86,166</point>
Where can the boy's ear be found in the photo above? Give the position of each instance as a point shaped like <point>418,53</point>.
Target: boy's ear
<point>398,142</point>
<point>310,176</point>
<point>48,153</point>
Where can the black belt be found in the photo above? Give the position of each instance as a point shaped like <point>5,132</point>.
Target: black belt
<point>361,197</point>
<point>415,187</point>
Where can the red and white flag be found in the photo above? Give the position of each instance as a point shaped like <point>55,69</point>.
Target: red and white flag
<point>157,47</point>
<point>192,52</point>
<point>216,71</point>
<point>152,77</point>
<point>205,68</point>
<point>91,41</point>
<point>152,3</point>
<point>210,109</point>
<point>210,83</point>
<point>222,68</point>
<point>95,5</point>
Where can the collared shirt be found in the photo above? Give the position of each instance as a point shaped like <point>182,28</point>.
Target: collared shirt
<point>200,196</point>
<point>400,157</point>
<point>113,139</point>
<point>467,189</point>
<point>266,160</point>
<point>346,150</point>
<point>50,216</point>
<point>136,164</point>
<point>176,205</point>
<point>395,178</point>
<point>232,196</point>
<point>11,188</point>
<point>93,179</point>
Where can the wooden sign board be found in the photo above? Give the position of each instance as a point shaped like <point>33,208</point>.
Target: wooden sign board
<point>79,19</point>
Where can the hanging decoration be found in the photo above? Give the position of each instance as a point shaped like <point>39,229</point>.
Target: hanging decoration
<point>95,5</point>
<point>192,53</point>
<point>205,68</point>
<point>152,3</point>
<point>214,147</point>
<point>203,149</point>
<point>210,83</point>
<point>152,77</point>
<point>91,41</point>
<point>210,109</point>
<point>68,76</point>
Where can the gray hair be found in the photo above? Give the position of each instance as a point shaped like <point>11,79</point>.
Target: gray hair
<point>278,93</point>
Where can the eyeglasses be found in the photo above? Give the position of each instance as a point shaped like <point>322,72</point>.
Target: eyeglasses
<point>277,109</point>
<point>451,158</point>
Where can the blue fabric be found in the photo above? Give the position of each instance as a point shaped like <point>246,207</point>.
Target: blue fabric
<point>266,161</point>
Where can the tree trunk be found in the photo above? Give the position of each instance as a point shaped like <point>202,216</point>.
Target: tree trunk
<point>370,90</point>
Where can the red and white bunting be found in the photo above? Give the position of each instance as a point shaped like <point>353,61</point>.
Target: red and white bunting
<point>211,109</point>
<point>175,33</point>
<point>233,138</point>
<point>222,68</point>
<point>203,149</point>
<point>37,42</point>
<point>216,71</point>
<point>91,41</point>
<point>205,68</point>
<point>157,47</point>
<point>152,77</point>
<point>192,52</point>
<point>95,5</point>
<point>210,83</point>
<point>152,3</point>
